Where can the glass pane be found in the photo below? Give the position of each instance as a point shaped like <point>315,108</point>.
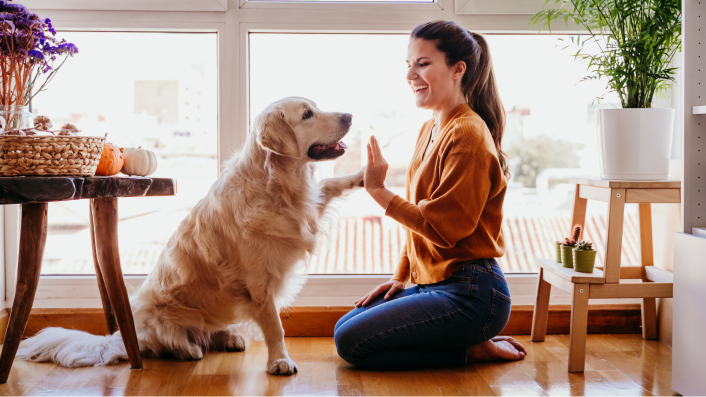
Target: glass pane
<point>143,89</point>
<point>550,135</point>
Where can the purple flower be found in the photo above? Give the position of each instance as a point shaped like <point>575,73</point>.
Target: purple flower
<point>7,25</point>
<point>31,43</point>
<point>15,8</point>
<point>36,54</point>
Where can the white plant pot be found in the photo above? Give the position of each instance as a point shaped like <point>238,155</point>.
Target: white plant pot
<point>635,144</point>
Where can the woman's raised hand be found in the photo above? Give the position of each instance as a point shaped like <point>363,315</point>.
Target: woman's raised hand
<point>391,287</point>
<point>375,173</point>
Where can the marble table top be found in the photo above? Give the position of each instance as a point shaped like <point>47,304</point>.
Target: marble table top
<point>40,189</point>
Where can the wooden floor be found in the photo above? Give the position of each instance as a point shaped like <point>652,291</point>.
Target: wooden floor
<point>616,365</point>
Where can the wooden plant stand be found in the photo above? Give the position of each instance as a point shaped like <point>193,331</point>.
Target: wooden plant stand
<point>608,281</point>
<point>34,193</point>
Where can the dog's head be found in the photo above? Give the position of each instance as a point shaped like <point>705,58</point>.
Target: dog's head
<point>295,127</point>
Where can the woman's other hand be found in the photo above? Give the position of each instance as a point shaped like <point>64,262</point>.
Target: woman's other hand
<point>391,287</point>
<point>375,173</point>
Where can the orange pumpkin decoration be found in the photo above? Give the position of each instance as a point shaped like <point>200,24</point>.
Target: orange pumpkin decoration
<point>111,160</point>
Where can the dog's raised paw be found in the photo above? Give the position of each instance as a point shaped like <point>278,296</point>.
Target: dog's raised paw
<point>283,366</point>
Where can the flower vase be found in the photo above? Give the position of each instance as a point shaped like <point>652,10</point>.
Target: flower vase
<point>14,118</point>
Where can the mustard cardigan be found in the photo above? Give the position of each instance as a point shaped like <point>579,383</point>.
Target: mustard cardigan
<point>453,209</point>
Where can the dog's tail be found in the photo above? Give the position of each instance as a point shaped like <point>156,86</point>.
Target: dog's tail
<point>72,348</point>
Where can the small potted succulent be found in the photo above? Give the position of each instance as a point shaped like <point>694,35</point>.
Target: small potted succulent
<point>584,257</point>
<point>568,245</point>
<point>558,250</point>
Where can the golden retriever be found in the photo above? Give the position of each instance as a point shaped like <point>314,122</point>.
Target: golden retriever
<point>233,262</point>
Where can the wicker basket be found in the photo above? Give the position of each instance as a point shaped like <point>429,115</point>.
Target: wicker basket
<point>50,155</point>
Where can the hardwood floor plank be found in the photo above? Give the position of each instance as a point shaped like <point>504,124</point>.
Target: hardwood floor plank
<point>210,385</point>
<point>23,376</point>
<point>615,365</point>
<point>623,383</point>
<point>374,383</point>
<point>166,377</point>
<point>411,383</point>
<point>461,381</point>
<point>518,390</point>
<point>650,371</point>
<point>504,374</point>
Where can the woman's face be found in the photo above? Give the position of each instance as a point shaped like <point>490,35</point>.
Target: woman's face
<point>433,82</point>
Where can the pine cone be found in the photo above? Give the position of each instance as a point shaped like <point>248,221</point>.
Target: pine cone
<point>42,123</point>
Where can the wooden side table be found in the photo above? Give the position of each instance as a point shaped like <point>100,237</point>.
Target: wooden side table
<point>607,281</point>
<point>34,193</point>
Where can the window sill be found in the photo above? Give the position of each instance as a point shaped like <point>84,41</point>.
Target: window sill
<point>319,291</point>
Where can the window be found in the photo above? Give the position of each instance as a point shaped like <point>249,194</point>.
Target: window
<point>230,26</point>
<point>157,96</point>
<point>550,136</point>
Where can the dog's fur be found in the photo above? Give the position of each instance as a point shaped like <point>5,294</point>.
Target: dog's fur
<point>233,260</point>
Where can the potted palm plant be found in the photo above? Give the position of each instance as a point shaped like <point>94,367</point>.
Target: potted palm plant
<point>630,44</point>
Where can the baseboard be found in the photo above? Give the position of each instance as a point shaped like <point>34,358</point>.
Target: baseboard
<point>4,316</point>
<point>320,321</point>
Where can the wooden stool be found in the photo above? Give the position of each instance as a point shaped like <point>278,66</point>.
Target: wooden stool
<point>605,282</point>
<point>34,193</point>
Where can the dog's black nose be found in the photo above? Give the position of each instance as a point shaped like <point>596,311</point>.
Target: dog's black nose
<point>346,119</point>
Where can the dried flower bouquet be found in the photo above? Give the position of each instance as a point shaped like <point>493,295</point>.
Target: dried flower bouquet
<point>30,57</point>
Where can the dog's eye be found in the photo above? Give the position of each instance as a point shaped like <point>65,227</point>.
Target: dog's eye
<point>308,113</point>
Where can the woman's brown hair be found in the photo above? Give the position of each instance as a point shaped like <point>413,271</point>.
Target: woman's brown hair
<point>478,83</point>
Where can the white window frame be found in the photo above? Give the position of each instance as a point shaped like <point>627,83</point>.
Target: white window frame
<point>233,20</point>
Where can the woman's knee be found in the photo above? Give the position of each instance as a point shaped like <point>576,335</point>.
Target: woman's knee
<point>346,339</point>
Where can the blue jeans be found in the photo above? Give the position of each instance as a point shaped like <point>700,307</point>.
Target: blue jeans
<point>427,325</point>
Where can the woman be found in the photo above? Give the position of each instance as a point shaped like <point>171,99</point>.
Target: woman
<point>456,185</point>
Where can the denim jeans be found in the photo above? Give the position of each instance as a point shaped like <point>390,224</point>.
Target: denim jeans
<point>427,325</point>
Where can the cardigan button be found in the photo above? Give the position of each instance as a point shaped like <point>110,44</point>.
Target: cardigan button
<point>414,274</point>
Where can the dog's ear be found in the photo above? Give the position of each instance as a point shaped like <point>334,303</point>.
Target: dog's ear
<point>277,135</point>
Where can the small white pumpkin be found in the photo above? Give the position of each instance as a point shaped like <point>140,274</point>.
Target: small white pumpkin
<point>138,161</point>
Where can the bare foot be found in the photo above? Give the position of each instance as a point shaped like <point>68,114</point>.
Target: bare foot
<point>492,350</point>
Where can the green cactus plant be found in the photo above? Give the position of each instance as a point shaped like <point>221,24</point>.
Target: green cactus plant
<point>571,242</point>
<point>584,246</point>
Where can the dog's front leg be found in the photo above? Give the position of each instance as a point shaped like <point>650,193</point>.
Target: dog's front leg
<point>335,187</point>
<point>278,361</point>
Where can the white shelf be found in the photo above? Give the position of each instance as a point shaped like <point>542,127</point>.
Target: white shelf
<point>699,231</point>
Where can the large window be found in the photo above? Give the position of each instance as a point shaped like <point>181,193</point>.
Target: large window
<point>154,90</point>
<point>550,136</point>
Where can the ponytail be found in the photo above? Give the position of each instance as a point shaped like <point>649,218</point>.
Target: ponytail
<point>483,97</point>
<point>478,83</point>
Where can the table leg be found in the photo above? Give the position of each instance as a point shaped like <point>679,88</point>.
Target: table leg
<point>33,235</point>
<point>614,236</point>
<point>105,217</point>
<point>649,305</point>
<point>541,309</point>
<point>579,327</point>
<point>107,308</point>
